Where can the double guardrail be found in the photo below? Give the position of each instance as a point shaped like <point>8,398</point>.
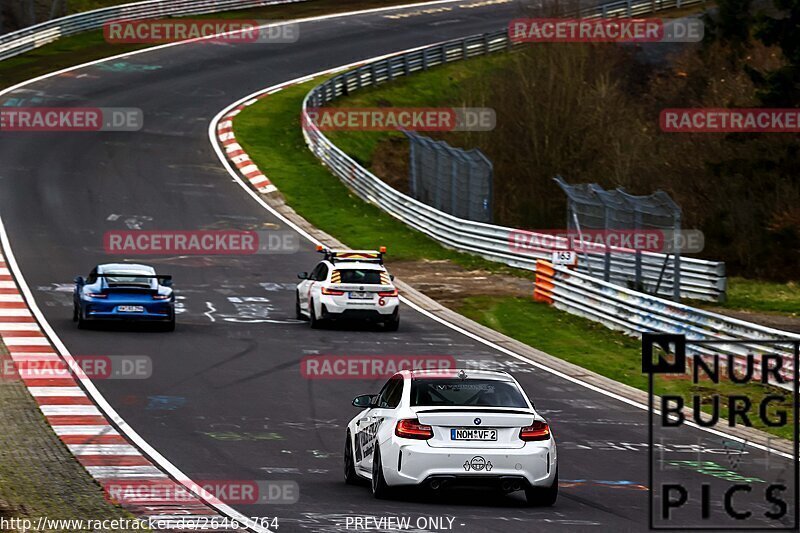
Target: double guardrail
<point>26,39</point>
<point>635,313</point>
<point>700,279</point>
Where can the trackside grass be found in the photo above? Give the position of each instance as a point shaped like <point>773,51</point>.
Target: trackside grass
<point>270,132</point>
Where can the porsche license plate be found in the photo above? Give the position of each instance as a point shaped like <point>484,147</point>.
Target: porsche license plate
<point>130,309</point>
<point>473,434</point>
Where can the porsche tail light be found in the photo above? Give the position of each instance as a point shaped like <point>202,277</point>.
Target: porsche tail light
<point>538,431</point>
<point>96,295</point>
<point>161,297</point>
<point>331,292</point>
<point>410,428</point>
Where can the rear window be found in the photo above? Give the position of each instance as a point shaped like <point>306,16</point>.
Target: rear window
<point>122,278</point>
<point>355,275</point>
<point>457,392</point>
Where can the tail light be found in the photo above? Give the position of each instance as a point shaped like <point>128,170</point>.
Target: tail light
<point>96,295</point>
<point>538,431</point>
<point>388,293</point>
<point>331,292</point>
<point>412,429</point>
<point>161,297</point>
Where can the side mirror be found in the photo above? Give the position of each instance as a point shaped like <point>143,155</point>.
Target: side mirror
<point>167,283</point>
<point>363,401</point>
<point>79,280</point>
<point>302,275</point>
<point>391,277</point>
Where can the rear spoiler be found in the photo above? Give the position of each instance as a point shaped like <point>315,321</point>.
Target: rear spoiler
<point>159,277</point>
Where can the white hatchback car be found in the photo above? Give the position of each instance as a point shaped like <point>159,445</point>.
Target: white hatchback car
<point>437,428</point>
<point>349,284</point>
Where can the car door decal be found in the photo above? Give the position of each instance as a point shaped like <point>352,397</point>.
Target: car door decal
<point>365,440</point>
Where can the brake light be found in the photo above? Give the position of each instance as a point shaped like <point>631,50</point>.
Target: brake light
<point>331,292</point>
<point>412,429</point>
<point>161,297</point>
<point>96,295</point>
<point>389,293</point>
<point>538,431</point>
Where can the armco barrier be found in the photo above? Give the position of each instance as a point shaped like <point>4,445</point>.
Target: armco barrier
<point>21,41</point>
<point>701,280</point>
<point>635,313</point>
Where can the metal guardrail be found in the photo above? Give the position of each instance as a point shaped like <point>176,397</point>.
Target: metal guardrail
<point>26,39</point>
<point>635,313</point>
<point>701,280</point>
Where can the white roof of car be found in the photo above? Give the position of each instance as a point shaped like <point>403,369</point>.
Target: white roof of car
<point>125,268</point>
<point>463,373</point>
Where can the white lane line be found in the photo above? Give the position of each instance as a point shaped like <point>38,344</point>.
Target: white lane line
<point>14,312</point>
<point>103,449</point>
<point>125,472</point>
<point>70,410</point>
<point>44,392</point>
<point>65,431</point>
<point>25,341</point>
<point>19,326</point>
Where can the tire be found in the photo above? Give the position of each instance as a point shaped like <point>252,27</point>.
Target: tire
<point>379,487</point>
<point>170,326</point>
<point>315,322</point>
<point>74,313</point>
<point>393,324</point>
<point>297,312</point>
<point>82,324</point>
<point>350,476</point>
<point>543,496</point>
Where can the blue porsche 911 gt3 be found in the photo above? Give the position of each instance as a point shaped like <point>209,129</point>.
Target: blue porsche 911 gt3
<point>126,292</point>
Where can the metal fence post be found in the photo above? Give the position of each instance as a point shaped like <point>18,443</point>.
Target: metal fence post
<point>630,8</point>
<point>425,59</point>
<point>406,68</point>
<point>389,67</point>
<point>485,43</point>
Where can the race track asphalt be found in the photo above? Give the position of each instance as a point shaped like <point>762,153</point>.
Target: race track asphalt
<point>226,399</point>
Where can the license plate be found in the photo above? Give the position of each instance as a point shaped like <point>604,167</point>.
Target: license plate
<point>360,295</point>
<point>473,434</point>
<point>130,309</point>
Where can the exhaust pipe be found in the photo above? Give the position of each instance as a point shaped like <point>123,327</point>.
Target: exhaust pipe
<point>436,484</point>
<point>505,486</point>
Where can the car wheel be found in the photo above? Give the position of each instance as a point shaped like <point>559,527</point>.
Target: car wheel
<point>74,313</point>
<point>297,312</point>
<point>82,324</point>
<point>543,496</point>
<point>393,323</point>
<point>170,326</point>
<point>315,322</point>
<point>379,487</point>
<point>350,476</point>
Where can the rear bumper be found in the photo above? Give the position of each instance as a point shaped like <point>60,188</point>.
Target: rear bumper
<point>533,465</point>
<point>366,315</point>
<point>164,314</point>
